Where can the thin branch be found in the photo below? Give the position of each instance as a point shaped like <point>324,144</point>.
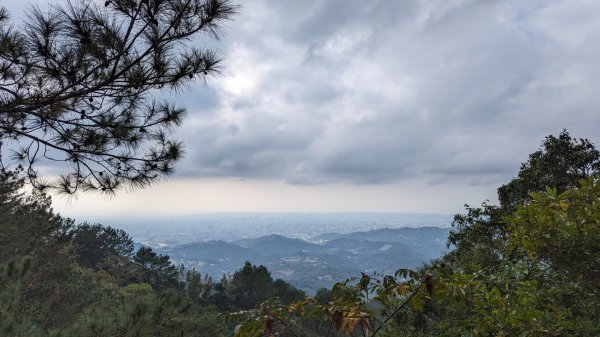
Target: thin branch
<point>398,309</point>
<point>329,329</point>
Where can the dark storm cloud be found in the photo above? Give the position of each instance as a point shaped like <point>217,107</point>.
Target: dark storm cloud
<point>373,92</point>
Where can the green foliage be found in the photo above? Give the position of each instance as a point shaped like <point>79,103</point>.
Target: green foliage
<point>271,318</point>
<point>521,298</point>
<point>140,311</point>
<point>156,270</point>
<point>251,285</point>
<point>478,238</point>
<point>324,296</point>
<point>528,267</point>
<point>78,84</point>
<point>563,232</point>
<point>480,235</point>
<point>351,310</point>
<point>95,243</point>
<point>16,210</point>
<point>286,292</point>
<point>193,285</point>
<point>44,291</point>
<point>50,292</point>
<point>560,163</point>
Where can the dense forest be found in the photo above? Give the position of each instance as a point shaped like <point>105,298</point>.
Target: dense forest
<point>525,267</point>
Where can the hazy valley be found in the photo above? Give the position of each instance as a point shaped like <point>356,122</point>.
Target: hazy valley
<point>308,250</point>
<point>320,261</point>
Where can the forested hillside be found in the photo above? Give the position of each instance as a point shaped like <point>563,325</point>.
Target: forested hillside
<point>59,279</point>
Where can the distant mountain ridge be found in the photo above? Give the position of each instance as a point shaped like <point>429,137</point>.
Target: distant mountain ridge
<point>277,244</point>
<point>318,261</point>
<point>171,231</point>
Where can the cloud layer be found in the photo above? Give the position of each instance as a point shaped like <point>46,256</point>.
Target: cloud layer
<point>377,92</point>
<point>359,92</point>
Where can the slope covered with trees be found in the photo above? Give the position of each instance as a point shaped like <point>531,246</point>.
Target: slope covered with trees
<point>58,279</point>
<point>53,285</point>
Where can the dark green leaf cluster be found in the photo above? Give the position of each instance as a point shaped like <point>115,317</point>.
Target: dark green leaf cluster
<point>250,286</point>
<point>560,163</point>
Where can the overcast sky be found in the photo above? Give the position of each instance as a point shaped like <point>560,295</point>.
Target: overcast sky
<point>347,105</point>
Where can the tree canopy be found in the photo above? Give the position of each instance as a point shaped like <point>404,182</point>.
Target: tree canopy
<point>80,86</point>
<point>480,234</point>
<point>560,163</point>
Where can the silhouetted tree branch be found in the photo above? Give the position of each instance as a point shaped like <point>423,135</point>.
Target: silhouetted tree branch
<point>78,86</point>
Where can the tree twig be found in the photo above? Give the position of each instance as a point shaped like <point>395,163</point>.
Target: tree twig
<point>398,309</point>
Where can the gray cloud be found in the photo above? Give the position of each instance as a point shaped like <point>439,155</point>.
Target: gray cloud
<point>348,91</point>
<point>354,92</point>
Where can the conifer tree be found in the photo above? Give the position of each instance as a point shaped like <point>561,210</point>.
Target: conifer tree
<point>81,85</point>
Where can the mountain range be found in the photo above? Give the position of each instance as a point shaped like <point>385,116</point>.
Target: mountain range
<point>318,261</point>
